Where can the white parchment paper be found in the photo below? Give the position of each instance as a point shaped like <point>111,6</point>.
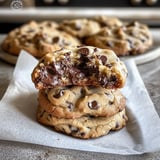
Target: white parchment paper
<point>18,117</point>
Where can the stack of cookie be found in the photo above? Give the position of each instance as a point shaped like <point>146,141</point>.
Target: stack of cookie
<point>79,91</point>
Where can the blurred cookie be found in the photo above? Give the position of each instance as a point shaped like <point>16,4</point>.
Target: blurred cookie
<point>84,127</point>
<point>106,21</point>
<point>37,39</point>
<point>75,101</point>
<point>80,27</point>
<point>82,66</point>
<point>130,39</point>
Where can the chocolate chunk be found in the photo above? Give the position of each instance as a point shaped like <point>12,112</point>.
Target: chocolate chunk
<point>83,51</point>
<point>82,134</point>
<point>103,80</point>
<point>95,49</point>
<point>107,94</point>
<point>83,92</point>
<point>70,106</point>
<point>131,24</point>
<point>117,125</point>
<point>49,24</point>
<point>103,59</point>
<point>50,70</point>
<point>110,102</point>
<point>48,76</point>
<point>113,78</point>
<point>143,40</point>
<point>109,65</point>
<point>59,94</point>
<point>93,105</point>
<point>55,39</point>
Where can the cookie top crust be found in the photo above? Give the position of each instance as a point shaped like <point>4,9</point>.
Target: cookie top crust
<point>80,27</point>
<point>76,101</point>
<point>81,66</point>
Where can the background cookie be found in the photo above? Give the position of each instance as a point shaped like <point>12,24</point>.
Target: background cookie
<point>81,66</point>
<point>106,21</point>
<point>129,39</point>
<point>37,39</point>
<point>75,101</point>
<point>80,27</point>
<point>84,127</point>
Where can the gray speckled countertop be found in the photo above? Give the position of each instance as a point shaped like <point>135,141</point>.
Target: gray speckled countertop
<point>150,73</point>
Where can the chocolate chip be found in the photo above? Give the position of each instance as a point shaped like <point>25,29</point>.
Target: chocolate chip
<point>70,106</point>
<point>143,40</point>
<point>49,24</point>
<point>95,49</point>
<point>59,94</point>
<point>117,125</point>
<point>55,39</point>
<point>113,78</point>
<point>83,92</point>
<point>134,23</point>
<point>107,94</point>
<point>82,134</point>
<point>50,69</point>
<point>83,51</point>
<point>110,102</point>
<point>93,105</point>
<point>103,80</point>
<point>103,59</point>
<point>109,65</point>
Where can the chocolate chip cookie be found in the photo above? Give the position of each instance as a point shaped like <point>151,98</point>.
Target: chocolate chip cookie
<point>37,38</point>
<point>76,101</point>
<point>84,127</point>
<point>82,66</point>
<point>80,27</point>
<point>130,39</point>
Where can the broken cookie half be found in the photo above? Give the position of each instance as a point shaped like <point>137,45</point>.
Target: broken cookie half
<point>82,66</point>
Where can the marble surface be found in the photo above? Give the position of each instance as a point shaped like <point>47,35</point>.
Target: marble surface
<point>150,73</point>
